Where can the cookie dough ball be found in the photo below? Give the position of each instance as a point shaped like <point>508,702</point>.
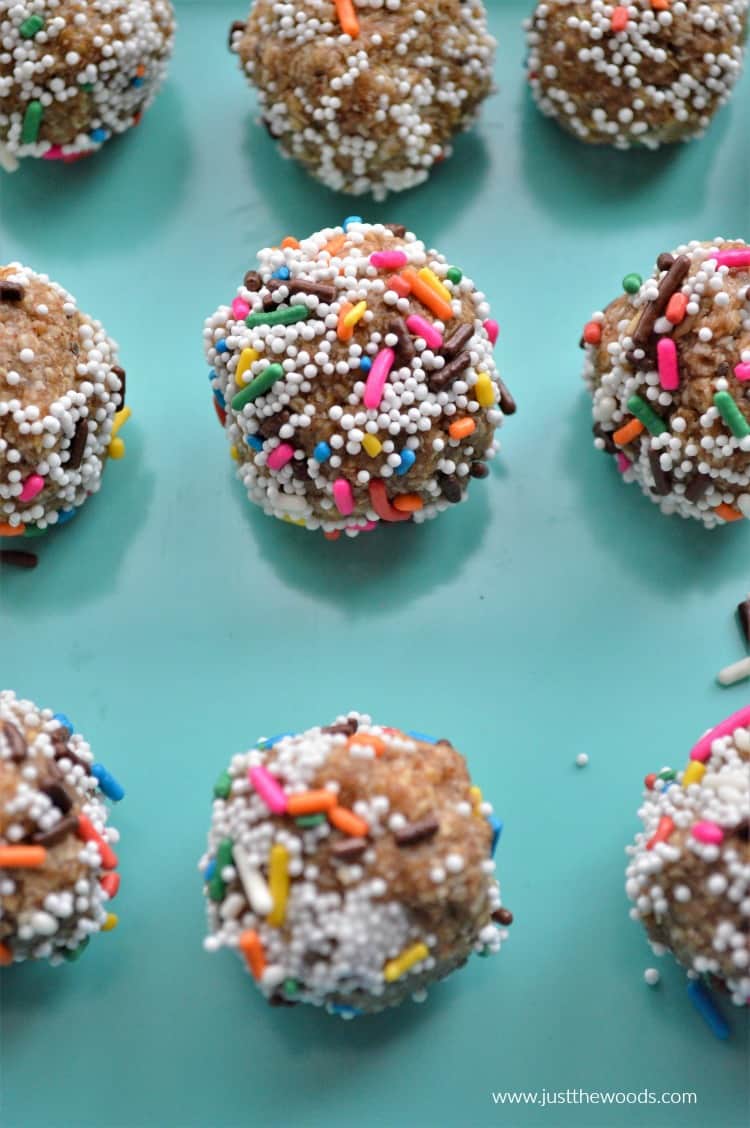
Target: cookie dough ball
<point>668,365</point>
<point>61,403</point>
<point>376,93</point>
<point>58,870</point>
<point>351,866</point>
<point>354,376</point>
<point>642,73</point>
<point>689,870</point>
<point>75,72</point>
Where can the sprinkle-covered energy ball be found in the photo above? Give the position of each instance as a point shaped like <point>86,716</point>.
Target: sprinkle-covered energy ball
<point>689,870</point>
<point>643,73</point>
<point>354,376</point>
<point>75,72</point>
<point>58,871</point>
<point>668,364</point>
<point>367,96</point>
<point>351,866</point>
<point>62,398</point>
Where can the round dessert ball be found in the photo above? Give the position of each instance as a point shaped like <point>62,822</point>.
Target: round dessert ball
<point>644,73</point>
<point>376,92</point>
<point>75,72</point>
<point>351,866</point>
<point>58,871</point>
<point>354,376</point>
<point>689,870</point>
<point>62,396</point>
<point>668,365</point>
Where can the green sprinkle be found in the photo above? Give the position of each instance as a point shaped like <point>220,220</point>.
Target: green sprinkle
<point>223,786</point>
<point>310,820</point>
<point>454,274</point>
<point>667,774</point>
<point>632,283</point>
<point>291,986</point>
<point>648,417</point>
<point>35,531</point>
<point>32,120</point>
<point>72,954</point>
<point>216,888</point>
<point>224,854</point>
<point>87,87</point>
<point>732,415</point>
<point>257,387</point>
<point>31,26</point>
<point>288,315</point>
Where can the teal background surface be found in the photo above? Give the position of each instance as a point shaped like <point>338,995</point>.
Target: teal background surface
<point>556,612</point>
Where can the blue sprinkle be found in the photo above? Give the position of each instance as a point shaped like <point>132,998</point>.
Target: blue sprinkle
<point>351,219</point>
<point>222,347</point>
<point>496,826</point>
<point>219,397</point>
<point>271,740</point>
<point>211,375</point>
<point>408,458</point>
<point>137,82</point>
<point>99,135</point>
<point>282,272</point>
<point>64,721</point>
<point>322,452</point>
<point>210,870</point>
<point>108,784</point>
<point>340,1008</point>
<point>421,736</point>
<point>254,441</point>
<point>707,1009</point>
<point>66,515</point>
<point>365,363</point>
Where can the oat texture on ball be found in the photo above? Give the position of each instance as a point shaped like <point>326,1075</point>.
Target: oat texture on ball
<point>58,870</point>
<point>644,73</point>
<point>367,95</point>
<point>668,365</point>
<point>75,72</point>
<point>354,376</point>
<point>351,866</point>
<point>688,871</point>
<point>62,396</point>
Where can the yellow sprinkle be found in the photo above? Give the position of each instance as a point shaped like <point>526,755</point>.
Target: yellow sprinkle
<point>120,420</point>
<point>485,391</point>
<point>693,773</point>
<point>234,453</point>
<point>372,445</point>
<point>278,883</point>
<point>355,314</point>
<point>116,448</point>
<point>247,358</point>
<point>394,969</point>
<point>435,284</point>
<point>476,797</point>
<point>111,922</point>
<point>295,521</point>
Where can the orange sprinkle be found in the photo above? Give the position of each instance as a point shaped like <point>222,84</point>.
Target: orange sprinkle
<point>629,433</point>
<point>333,535</point>
<point>462,428</point>
<point>399,285</point>
<point>310,803</point>
<point>407,503</point>
<point>661,5</point>
<point>729,513</point>
<point>663,830</point>
<point>12,530</point>
<point>367,740</point>
<point>289,241</point>
<point>677,308</point>
<point>6,956</point>
<point>140,71</point>
<point>252,949</point>
<point>592,333</point>
<point>344,332</point>
<point>336,244</point>
<point>347,17</point>
<point>347,822</point>
<point>620,18</point>
<point>426,295</point>
<point>22,857</point>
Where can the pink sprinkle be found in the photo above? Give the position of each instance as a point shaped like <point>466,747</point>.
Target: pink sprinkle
<point>702,750</point>
<point>388,260</point>
<point>377,376</point>
<point>669,366</point>
<point>53,154</point>
<point>422,328</point>
<point>708,832</point>
<point>240,308</point>
<point>279,456</point>
<point>623,462</point>
<point>734,259</point>
<point>742,372</point>
<point>33,485</point>
<point>268,788</point>
<point>367,527</point>
<point>492,330</point>
<point>343,495</point>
